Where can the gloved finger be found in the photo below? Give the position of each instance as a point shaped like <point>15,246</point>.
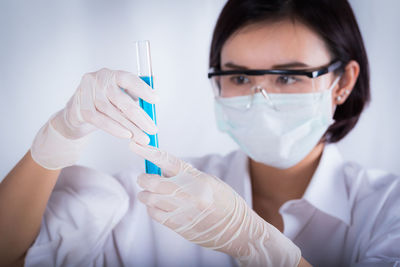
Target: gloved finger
<point>156,201</point>
<point>170,164</point>
<point>157,214</point>
<point>180,220</point>
<point>106,124</point>
<point>136,86</point>
<point>156,184</point>
<point>88,113</point>
<point>113,113</point>
<point>135,98</point>
<point>130,109</point>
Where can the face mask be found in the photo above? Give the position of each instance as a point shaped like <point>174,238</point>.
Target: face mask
<point>278,135</point>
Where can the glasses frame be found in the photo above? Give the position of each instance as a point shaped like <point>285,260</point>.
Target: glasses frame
<point>313,73</point>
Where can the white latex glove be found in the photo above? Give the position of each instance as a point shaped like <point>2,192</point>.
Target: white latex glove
<point>100,103</point>
<point>206,211</point>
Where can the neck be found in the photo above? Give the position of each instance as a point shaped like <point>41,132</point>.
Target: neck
<point>281,185</point>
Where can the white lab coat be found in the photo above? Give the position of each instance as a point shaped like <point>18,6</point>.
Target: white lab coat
<point>348,216</point>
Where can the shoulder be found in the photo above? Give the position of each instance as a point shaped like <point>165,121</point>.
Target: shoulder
<point>89,184</point>
<point>374,197</point>
<point>367,200</point>
<point>83,209</point>
<point>360,184</point>
<point>364,185</point>
<point>80,177</point>
<point>82,189</point>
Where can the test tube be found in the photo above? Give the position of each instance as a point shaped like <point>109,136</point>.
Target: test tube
<point>145,73</point>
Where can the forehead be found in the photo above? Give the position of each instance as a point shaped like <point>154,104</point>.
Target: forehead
<point>267,44</point>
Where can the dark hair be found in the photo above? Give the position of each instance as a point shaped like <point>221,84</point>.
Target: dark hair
<point>334,21</point>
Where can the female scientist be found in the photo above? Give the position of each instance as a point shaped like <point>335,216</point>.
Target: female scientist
<point>290,79</point>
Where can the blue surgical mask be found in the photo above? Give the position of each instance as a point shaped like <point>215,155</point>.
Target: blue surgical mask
<point>278,135</point>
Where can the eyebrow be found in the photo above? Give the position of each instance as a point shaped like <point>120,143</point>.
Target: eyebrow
<point>289,65</point>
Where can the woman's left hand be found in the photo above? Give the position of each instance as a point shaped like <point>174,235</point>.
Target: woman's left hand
<point>206,211</point>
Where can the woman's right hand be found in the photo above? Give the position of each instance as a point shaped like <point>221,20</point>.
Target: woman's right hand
<point>98,103</point>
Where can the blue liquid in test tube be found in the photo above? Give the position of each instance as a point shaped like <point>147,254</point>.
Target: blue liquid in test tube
<point>145,73</point>
<point>150,109</point>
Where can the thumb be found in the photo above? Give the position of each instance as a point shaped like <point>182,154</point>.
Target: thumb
<point>169,164</point>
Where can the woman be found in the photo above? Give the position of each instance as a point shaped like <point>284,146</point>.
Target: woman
<point>290,78</point>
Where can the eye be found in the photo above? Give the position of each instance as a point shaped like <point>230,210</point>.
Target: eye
<point>239,79</point>
<point>287,80</point>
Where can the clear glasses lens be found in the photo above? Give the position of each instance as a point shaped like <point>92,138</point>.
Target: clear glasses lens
<point>271,88</point>
<point>240,85</point>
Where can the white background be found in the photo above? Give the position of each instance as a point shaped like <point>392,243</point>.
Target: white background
<point>46,46</point>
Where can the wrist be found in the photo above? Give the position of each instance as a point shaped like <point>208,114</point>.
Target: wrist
<point>52,150</point>
<point>61,122</point>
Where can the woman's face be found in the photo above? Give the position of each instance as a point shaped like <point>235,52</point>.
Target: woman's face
<point>279,45</point>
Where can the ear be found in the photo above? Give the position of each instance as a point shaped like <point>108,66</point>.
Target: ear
<point>346,83</point>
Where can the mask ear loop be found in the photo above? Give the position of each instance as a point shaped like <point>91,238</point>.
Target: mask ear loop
<point>335,82</point>
<point>320,95</point>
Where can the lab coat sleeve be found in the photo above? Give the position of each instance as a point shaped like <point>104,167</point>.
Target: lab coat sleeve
<point>383,245</point>
<point>81,213</point>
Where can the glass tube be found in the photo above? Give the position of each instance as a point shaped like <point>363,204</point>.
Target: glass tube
<point>143,59</point>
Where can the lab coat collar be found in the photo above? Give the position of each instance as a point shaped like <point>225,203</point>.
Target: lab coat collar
<point>327,190</point>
